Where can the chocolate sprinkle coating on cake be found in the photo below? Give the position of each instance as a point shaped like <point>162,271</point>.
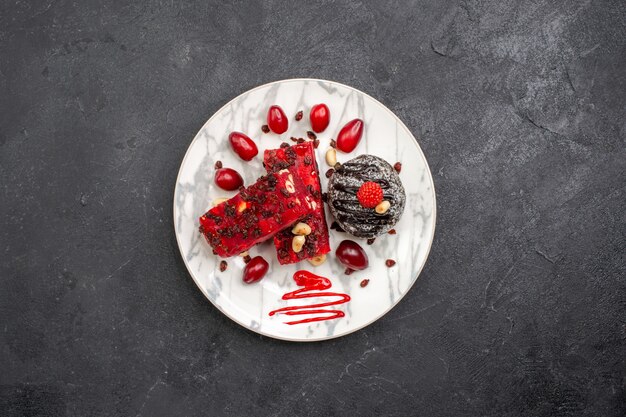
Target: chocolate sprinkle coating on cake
<point>345,207</point>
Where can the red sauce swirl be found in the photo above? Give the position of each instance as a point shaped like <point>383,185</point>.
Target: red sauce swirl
<point>314,286</point>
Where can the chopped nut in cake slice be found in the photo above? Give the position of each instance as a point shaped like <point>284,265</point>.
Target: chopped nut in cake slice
<point>300,159</point>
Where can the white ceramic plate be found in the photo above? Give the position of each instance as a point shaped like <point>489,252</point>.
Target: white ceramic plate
<point>249,305</point>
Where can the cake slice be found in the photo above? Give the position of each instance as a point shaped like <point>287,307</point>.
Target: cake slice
<point>257,213</point>
<point>300,160</point>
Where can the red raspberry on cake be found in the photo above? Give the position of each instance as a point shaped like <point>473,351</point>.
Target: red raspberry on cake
<point>370,194</point>
<point>300,159</point>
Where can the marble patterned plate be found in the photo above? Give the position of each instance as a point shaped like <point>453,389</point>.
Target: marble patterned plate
<point>384,135</point>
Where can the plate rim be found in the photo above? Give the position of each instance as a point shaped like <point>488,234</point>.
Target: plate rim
<point>434,211</point>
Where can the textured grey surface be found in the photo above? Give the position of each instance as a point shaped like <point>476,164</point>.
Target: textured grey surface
<point>519,107</point>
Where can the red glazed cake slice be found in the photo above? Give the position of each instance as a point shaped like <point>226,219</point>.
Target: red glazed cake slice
<point>256,214</point>
<point>300,159</point>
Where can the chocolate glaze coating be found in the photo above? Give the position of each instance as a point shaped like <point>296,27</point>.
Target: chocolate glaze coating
<point>345,207</point>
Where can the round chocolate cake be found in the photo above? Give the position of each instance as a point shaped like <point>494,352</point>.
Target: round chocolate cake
<point>345,207</point>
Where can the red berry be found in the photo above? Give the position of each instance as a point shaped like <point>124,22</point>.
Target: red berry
<point>352,255</point>
<point>277,120</point>
<point>350,135</point>
<point>228,179</point>
<point>320,117</point>
<point>370,194</point>
<point>255,270</point>
<point>243,145</point>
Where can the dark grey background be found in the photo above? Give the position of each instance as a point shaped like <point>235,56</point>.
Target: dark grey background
<point>518,105</point>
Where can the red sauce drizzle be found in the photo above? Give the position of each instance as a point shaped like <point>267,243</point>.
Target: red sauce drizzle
<point>313,285</point>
